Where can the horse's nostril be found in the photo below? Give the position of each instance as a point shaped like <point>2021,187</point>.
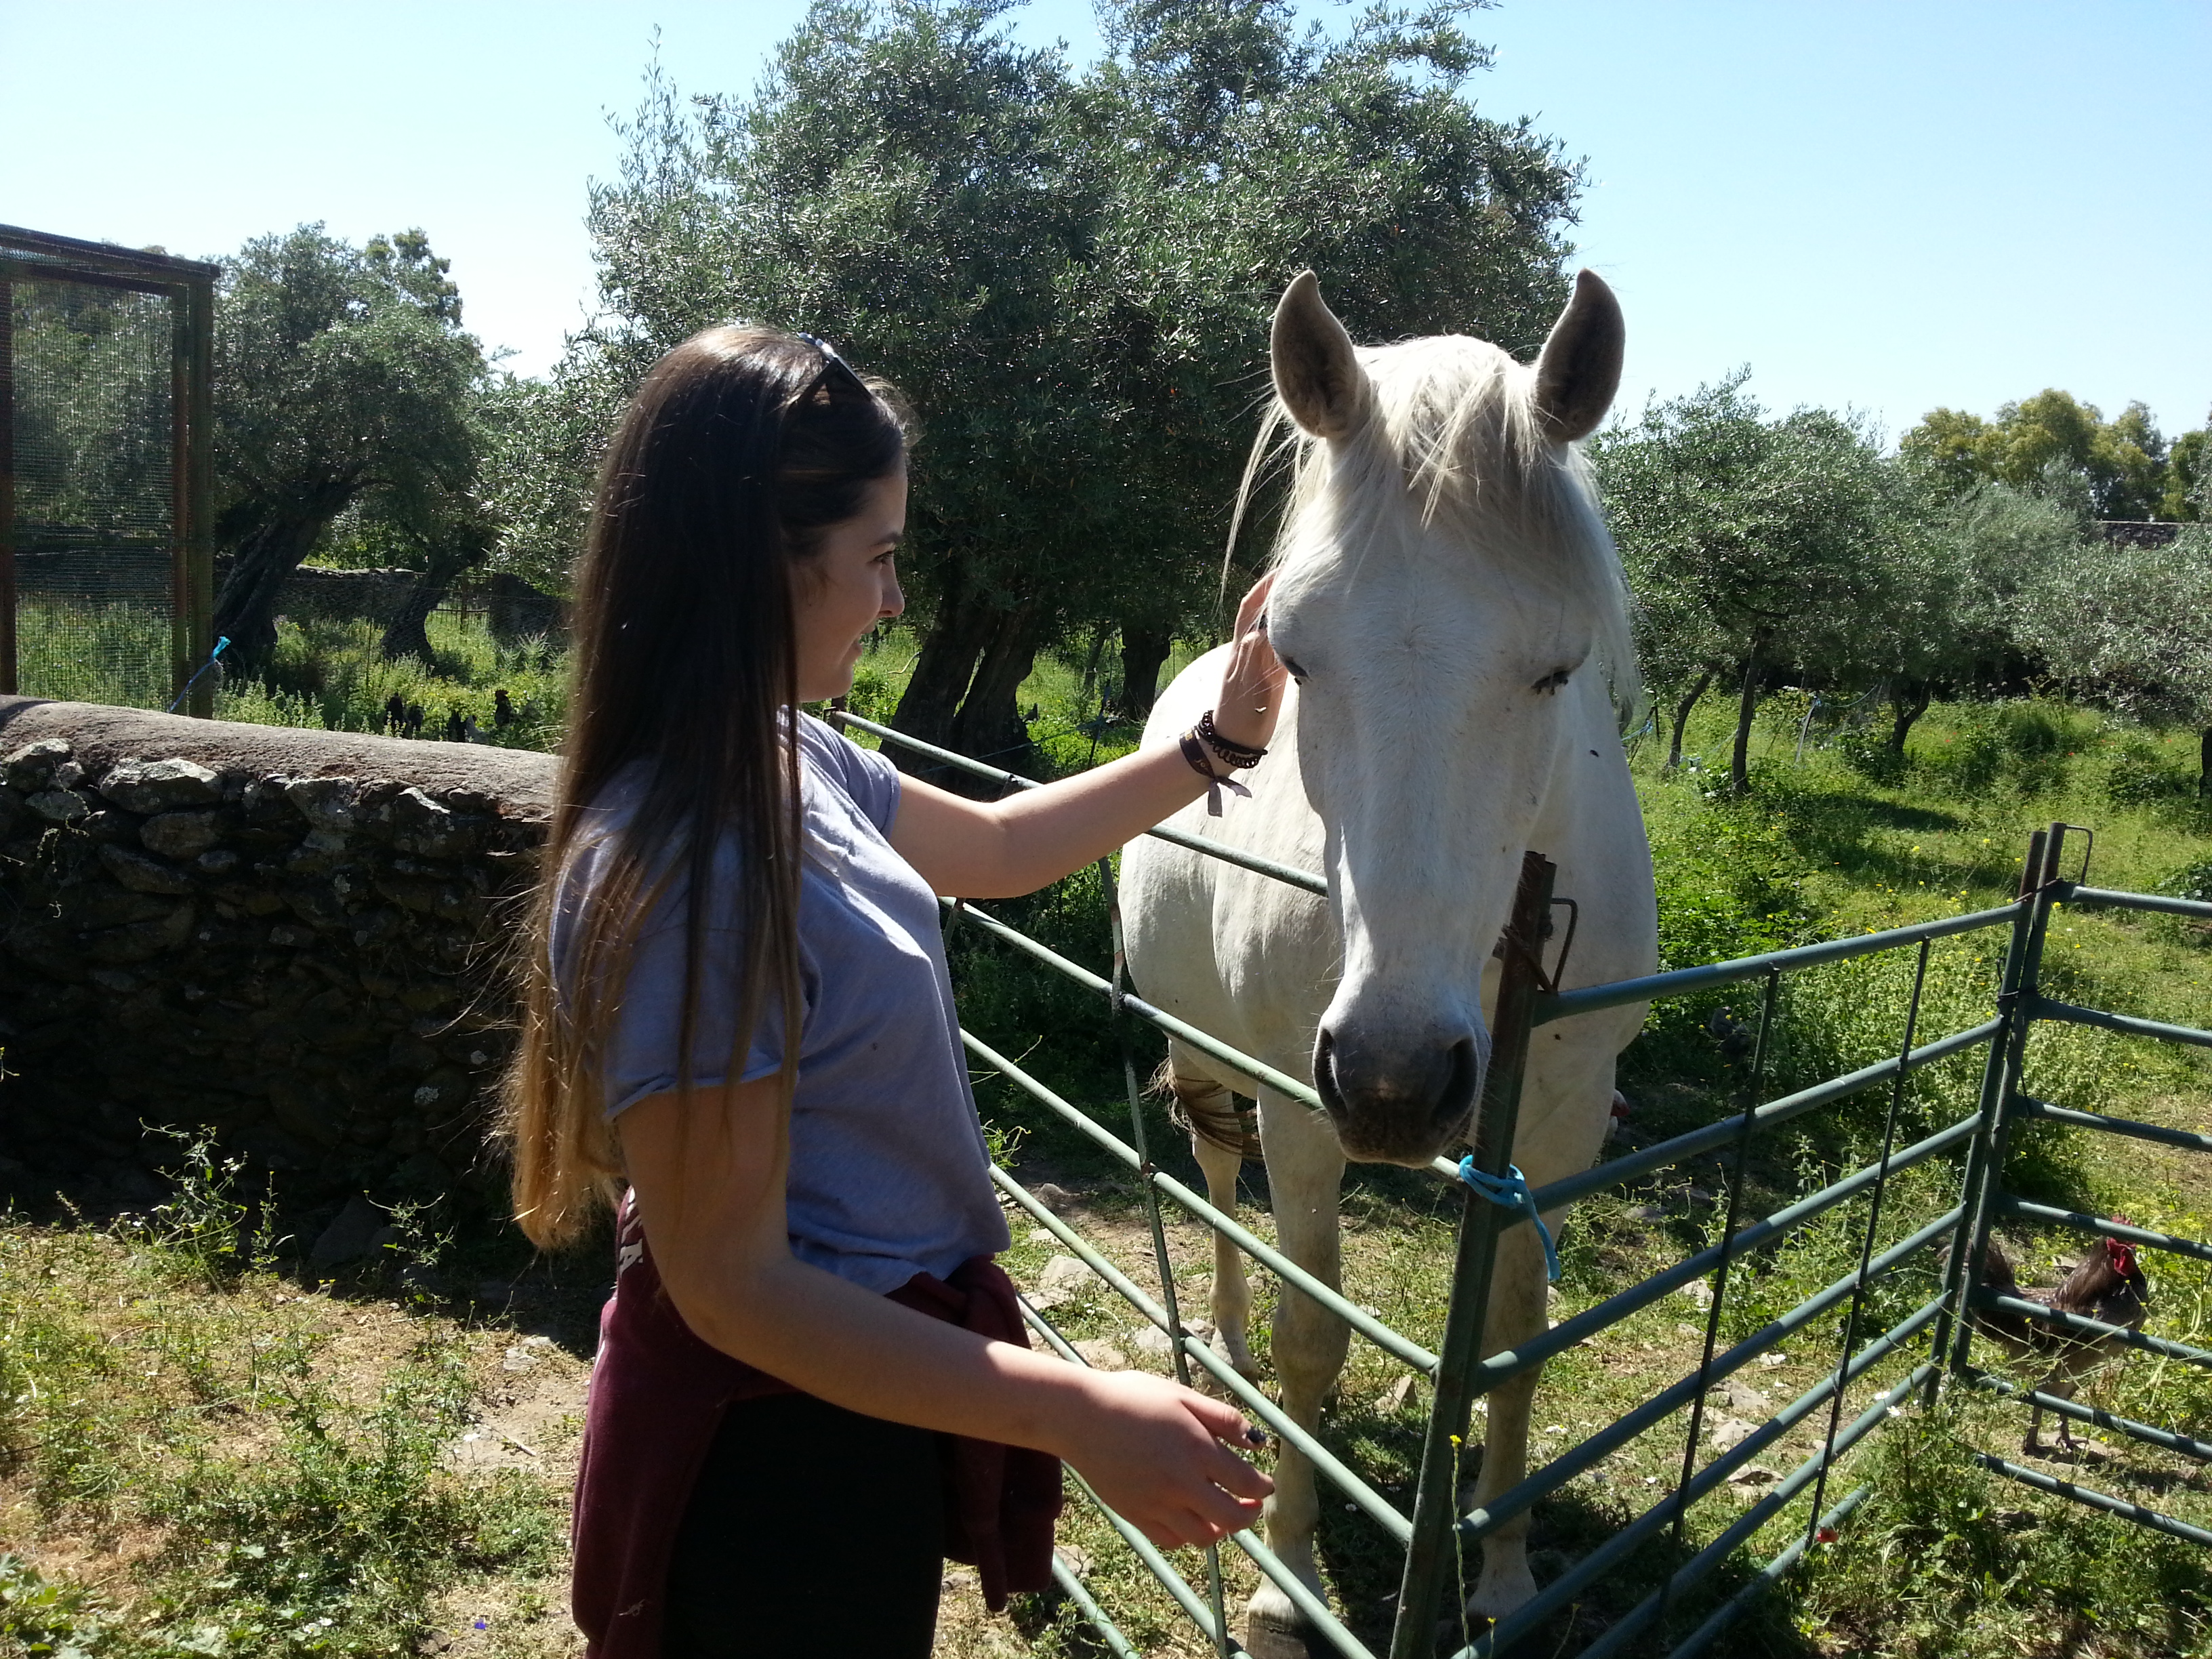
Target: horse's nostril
<point>1324,1070</point>
<point>1457,1100</point>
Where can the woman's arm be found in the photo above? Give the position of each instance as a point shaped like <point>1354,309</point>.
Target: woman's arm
<point>709,1178</point>
<point>977,849</point>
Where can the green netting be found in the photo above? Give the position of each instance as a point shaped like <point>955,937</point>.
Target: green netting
<point>95,496</point>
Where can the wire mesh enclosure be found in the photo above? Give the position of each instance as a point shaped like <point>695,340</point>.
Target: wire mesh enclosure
<point>105,579</point>
<point>1825,1315</point>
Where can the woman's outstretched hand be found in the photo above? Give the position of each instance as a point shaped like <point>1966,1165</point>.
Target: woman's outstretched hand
<point>1154,1451</point>
<point>1252,684</point>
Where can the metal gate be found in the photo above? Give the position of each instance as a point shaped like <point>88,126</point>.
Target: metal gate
<point>1932,1343</point>
<point>106,468</point>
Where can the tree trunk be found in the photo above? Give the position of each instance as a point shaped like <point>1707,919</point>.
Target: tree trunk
<point>1144,653</point>
<point>455,551</point>
<point>989,726</point>
<point>1746,706</point>
<point>246,609</point>
<point>1682,718</point>
<point>930,702</point>
<point>1908,701</point>
<point>2205,765</point>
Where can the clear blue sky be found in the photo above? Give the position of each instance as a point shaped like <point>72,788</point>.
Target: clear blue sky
<point>1887,205</point>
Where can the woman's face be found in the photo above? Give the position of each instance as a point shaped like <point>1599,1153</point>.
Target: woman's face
<point>848,585</point>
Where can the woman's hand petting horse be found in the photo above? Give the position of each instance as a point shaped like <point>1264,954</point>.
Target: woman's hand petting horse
<point>998,849</point>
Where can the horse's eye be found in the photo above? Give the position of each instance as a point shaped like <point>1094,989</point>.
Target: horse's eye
<point>1551,682</point>
<point>1297,673</point>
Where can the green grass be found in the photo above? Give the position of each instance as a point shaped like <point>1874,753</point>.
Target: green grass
<point>241,1468</point>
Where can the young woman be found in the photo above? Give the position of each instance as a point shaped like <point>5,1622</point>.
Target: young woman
<point>812,1384</point>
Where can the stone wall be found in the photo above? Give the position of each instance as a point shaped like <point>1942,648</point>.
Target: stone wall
<point>299,939</point>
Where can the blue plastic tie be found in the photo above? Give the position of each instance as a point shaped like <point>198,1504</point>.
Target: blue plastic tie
<point>213,656</point>
<point>1510,1191</point>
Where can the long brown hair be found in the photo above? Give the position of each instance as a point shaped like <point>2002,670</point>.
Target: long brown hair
<point>740,448</point>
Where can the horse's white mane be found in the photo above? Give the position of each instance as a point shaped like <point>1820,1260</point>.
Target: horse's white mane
<point>1453,425</point>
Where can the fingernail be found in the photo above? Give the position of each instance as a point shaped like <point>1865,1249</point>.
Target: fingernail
<point>1256,1438</point>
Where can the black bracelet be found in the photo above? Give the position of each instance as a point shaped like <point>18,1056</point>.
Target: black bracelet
<point>1195,752</point>
<point>1234,755</point>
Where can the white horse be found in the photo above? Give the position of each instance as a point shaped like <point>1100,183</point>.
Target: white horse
<point>1454,619</point>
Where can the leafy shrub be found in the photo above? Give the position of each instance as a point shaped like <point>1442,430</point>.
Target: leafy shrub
<point>2140,772</point>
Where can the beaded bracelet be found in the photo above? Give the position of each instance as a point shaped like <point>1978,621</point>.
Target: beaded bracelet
<point>1235,755</point>
<point>1195,752</point>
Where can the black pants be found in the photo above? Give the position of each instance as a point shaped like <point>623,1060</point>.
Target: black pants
<point>812,1529</point>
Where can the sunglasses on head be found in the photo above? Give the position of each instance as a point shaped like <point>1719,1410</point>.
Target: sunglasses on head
<point>834,368</point>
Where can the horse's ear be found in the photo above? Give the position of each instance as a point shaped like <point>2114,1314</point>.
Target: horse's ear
<point>1317,374</point>
<point>1580,369</point>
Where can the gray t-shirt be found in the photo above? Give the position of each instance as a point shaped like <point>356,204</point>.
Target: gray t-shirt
<point>889,1174</point>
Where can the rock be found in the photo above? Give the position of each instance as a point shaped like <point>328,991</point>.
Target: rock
<point>351,1236</point>
<point>1741,1396</point>
<point>1772,1359</point>
<point>422,825</point>
<point>143,874</point>
<point>326,803</point>
<point>60,805</point>
<point>1053,1198</point>
<point>1153,1340</point>
<point>30,766</point>
<point>160,785</point>
<point>1399,1395</point>
<point>1726,1432</point>
<point>180,835</point>
<point>1699,1292</point>
<point>1076,1560</point>
<point>138,941</point>
<point>1102,1353</point>
<point>215,861</point>
<point>1754,1474</point>
<point>1065,1280</point>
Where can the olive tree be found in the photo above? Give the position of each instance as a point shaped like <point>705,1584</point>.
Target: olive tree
<point>1070,277</point>
<point>1765,545</point>
<point>342,378</point>
<point>2132,626</point>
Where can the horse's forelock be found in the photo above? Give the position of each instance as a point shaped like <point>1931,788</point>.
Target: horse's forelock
<point>1456,424</point>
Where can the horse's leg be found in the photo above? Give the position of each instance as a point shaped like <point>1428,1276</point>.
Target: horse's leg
<point>1517,1313</point>
<point>1217,1140</point>
<point>1305,1169</point>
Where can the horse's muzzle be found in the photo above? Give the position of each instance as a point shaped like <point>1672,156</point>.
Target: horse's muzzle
<point>1398,1104</point>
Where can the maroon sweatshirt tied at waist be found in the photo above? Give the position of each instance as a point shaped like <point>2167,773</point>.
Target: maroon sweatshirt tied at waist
<point>658,1394</point>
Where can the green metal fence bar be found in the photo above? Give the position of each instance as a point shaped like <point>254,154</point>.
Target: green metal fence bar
<point>2181,1445</point>
<point>1349,1482</point>
<point>1398,1347</point>
<point>1436,1498</point>
<point>1304,880</point>
<point>2101,897</point>
<point>2096,1500</point>
<point>1766,1579</point>
<point>1954,1334</point>
<point>1633,1622</point>
<point>1617,1171</point>
<point>2028,1106</point>
<point>1109,1632</point>
<point>1850,1322</point>
<point>1258,1071</point>
<point>2082,1221</point>
<point>2052,1008</point>
<point>1571,1584</point>
<point>1588,1453</point>
<point>1610,1312</point>
<point>1565,1004</point>
<point>2075,1322</point>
